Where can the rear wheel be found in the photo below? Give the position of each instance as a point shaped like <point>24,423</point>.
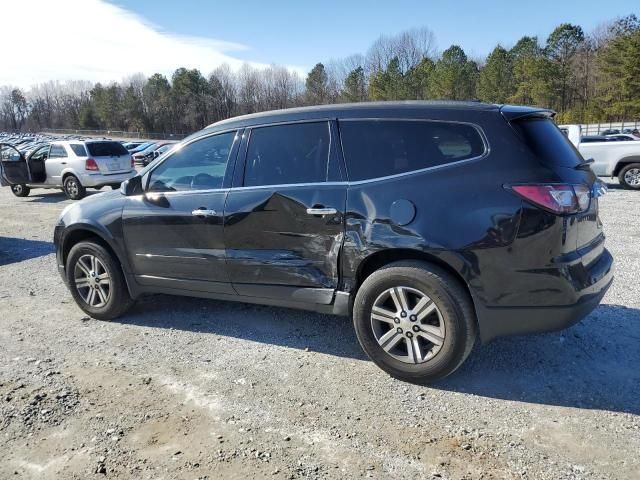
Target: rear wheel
<point>96,281</point>
<point>415,321</point>
<point>73,188</point>
<point>629,176</point>
<point>20,190</point>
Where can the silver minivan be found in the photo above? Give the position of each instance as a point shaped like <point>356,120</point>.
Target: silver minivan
<point>72,165</point>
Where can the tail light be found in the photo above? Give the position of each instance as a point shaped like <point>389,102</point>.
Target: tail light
<point>133,162</point>
<point>562,199</point>
<point>90,164</point>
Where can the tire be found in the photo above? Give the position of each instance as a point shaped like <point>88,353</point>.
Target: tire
<point>73,189</point>
<point>452,316</point>
<point>20,190</point>
<point>629,176</point>
<point>115,186</point>
<point>110,300</point>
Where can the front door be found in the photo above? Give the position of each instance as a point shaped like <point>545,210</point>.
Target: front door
<point>13,166</point>
<point>174,231</point>
<point>284,223</point>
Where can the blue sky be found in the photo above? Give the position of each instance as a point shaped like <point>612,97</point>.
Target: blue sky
<point>303,32</point>
<point>110,40</point>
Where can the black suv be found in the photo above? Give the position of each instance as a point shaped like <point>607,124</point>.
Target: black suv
<point>431,224</point>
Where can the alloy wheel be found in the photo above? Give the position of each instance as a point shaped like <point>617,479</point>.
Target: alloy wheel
<point>408,325</point>
<point>632,177</point>
<point>92,281</point>
<point>72,187</point>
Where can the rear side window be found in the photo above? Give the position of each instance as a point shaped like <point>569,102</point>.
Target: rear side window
<point>57,151</point>
<point>547,142</point>
<point>380,148</point>
<point>288,154</point>
<point>78,149</point>
<point>106,149</point>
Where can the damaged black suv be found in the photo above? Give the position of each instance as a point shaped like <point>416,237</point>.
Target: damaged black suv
<point>433,225</point>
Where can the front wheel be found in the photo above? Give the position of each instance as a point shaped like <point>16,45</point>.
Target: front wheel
<point>20,190</point>
<point>73,188</point>
<point>415,321</point>
<point>96,281</point>
<point>629,176</point>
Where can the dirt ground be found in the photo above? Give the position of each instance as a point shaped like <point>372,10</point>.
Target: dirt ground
<point>189,388</point>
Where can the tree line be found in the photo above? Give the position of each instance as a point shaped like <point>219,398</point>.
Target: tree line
<point>586,78</point>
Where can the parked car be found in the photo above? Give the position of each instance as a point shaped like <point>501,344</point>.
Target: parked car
<point>141,147</point>
<point>71,165</point>
<point>431,224</point>
<point>610,131</point>
<point>621,137</point>
<point>148,154</point>
<point>610,158</point>
<point>132,145</point>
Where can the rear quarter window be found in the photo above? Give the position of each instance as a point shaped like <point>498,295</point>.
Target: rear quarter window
<point>106,149</point>
<point>547,142</point>
<point>78,149</point>
<point>380,148</point>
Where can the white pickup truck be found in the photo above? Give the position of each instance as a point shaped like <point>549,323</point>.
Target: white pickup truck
<point>610,159</point>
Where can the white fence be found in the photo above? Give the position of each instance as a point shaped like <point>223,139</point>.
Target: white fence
<point>598,128</point>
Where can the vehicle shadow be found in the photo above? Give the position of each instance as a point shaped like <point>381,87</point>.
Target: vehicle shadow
<point>55,196</point>
<point>593,365</point>
<point>14,250</point>
<point>285,327</point>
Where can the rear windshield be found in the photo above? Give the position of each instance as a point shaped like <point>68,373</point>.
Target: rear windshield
<point>548,143</point>
<point>106,149</point>
<point>78,149</point>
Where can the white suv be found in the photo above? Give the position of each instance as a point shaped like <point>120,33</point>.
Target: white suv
<point>71,165</point>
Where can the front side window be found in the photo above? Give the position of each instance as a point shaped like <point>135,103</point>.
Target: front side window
<point>200,165</point>
<point>288,154</point>
<point>40,154</point>
<point>380,148</point>
<point>57,151</point>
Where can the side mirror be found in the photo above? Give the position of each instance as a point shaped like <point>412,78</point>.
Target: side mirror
<point>131,187</point>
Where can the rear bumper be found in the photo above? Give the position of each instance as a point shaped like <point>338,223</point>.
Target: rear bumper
<point>589,289</point>
<point>101,179</point>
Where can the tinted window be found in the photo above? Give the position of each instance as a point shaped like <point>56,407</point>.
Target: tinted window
<point>285,154</point>
<point>201,165</point>
<point>106,149</point>
<point>40,154</point>
<point>78,149</point>
<point>548,143</point>
<point>57,151</point>
<point>379,148</point>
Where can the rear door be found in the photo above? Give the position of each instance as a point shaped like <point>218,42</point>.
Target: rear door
<point>13,166</point>
<point>284,218</point>
<point>57,161</point>
<point>111,157</point>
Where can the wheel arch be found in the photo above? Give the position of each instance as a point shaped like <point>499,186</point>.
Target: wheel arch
<point>384,257</point>
<point>623,162</point>
<point>86,232</point>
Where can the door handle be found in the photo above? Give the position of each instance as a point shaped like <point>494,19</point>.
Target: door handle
<point>203,212</point>
<point>322,211</point>
<point>63,163</point>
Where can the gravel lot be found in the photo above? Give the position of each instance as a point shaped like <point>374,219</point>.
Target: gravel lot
<point>189,388</point>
